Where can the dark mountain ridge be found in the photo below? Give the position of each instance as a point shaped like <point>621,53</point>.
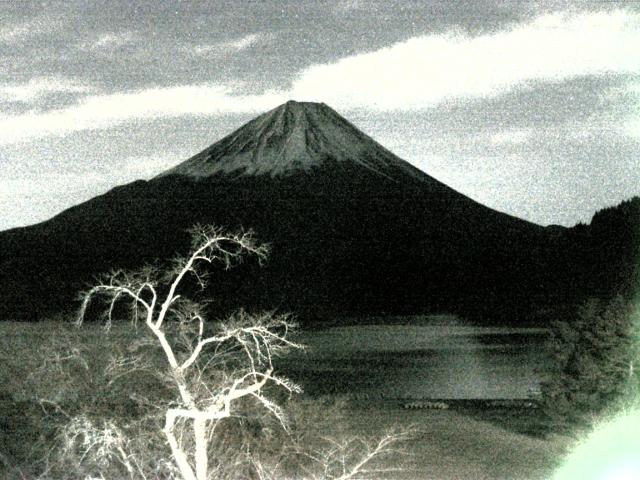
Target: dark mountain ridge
<point>354,230</point>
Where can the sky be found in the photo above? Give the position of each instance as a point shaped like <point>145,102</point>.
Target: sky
<point>531,108</point>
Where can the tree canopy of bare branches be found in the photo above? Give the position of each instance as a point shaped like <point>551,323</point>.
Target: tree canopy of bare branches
<point>206,391</point>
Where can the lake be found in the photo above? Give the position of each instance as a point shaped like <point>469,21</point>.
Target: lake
<point>429,358</point>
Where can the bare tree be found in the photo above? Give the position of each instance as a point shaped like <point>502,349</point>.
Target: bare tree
<point>206,392</point>
<point>353,457</point>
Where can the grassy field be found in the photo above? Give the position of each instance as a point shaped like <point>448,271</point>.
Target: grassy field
<point>459,443</point>
<point>466,444</point>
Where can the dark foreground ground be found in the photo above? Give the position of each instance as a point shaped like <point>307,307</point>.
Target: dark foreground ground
<point>465,443</point>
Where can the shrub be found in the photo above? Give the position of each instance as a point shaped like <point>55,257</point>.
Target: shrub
<point>593,358</point>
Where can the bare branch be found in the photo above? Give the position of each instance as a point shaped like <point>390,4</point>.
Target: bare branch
<point>112,292</point>
<point>211,244</point>
<point>240,352</point>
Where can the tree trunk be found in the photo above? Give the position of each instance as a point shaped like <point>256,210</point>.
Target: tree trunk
<point>200,433</point>
<point>178,455</point>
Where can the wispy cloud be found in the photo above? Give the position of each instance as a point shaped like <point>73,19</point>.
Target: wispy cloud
<point>230,46</point>
<point>512,136</point>
<point>10,33</point>
<point>348,6</point>
<point>427,70</point>
<point>105,111</point>
<point>39,87</point>
<point>632,125</point>
<point>108,42</point>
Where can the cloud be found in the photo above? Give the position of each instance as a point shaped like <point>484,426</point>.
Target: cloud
<point>417,74</point>
<point>512,136</point>
<point>108,42</point>
<point>105,111</point>
<point>424,71</point>
<point>348,6</point>
<point>632,128</point>
<point>632,124</point>
<point>20,31</point>
<point>230,46</point>
<point>12,32</point>
<point>39,87</point>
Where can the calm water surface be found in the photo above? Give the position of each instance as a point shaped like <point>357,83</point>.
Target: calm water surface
<point>421,361</point>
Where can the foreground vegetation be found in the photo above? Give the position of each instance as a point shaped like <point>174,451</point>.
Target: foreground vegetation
<point>40,393</point>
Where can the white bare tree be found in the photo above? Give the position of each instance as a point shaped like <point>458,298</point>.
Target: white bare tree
<point>192,348</point>
<point>348,458</point>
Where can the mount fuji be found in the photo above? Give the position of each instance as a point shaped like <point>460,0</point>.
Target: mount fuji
<point>354,230</point>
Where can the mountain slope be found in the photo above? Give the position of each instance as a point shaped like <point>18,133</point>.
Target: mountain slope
<point>354,229</point>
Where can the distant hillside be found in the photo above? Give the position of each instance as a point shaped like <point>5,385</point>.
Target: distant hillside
<point>603,258</point>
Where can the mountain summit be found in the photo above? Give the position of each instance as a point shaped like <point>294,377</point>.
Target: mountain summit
<point>294,137</point>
